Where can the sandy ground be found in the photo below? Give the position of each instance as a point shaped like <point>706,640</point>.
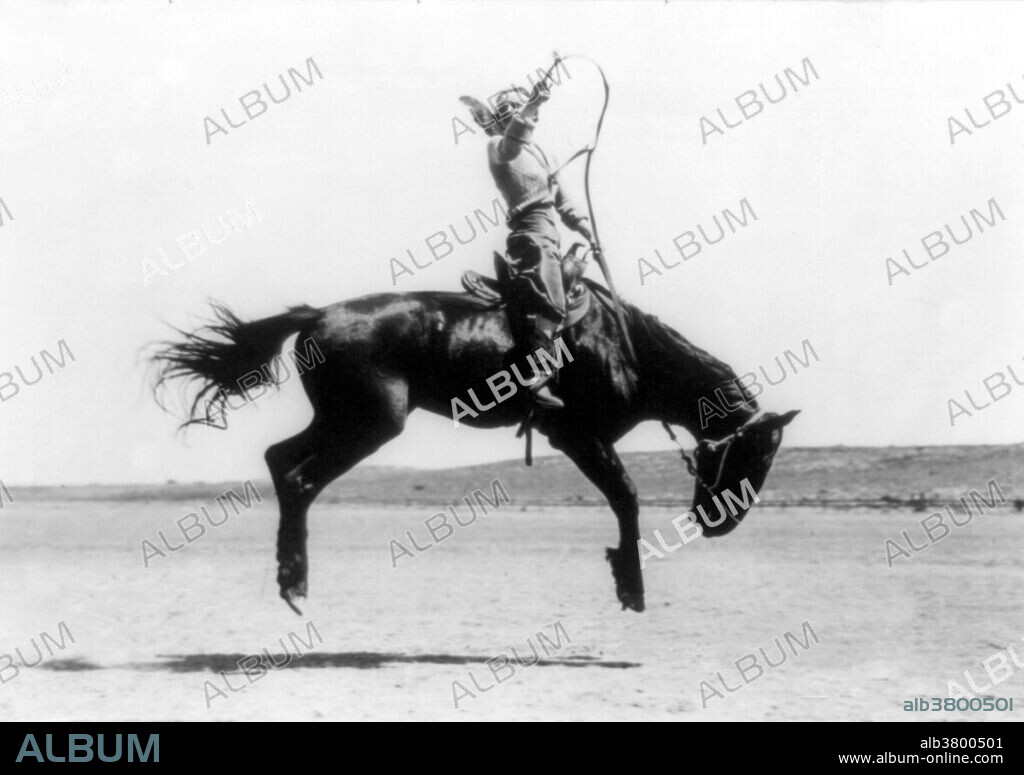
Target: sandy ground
<point>395,639</point>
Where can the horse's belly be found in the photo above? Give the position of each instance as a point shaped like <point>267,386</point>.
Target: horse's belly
<point>480,393</point>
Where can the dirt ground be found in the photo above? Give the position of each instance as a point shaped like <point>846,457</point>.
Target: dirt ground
<point>394,639</point>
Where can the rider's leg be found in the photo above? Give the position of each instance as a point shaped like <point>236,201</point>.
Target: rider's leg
<point>537,300</point>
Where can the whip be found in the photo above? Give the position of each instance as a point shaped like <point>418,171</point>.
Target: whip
<point>588,151</point>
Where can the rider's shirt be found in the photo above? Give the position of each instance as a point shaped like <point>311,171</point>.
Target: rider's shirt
<point>522,173</point>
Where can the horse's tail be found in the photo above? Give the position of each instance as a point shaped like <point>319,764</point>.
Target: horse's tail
<point>220,354</point>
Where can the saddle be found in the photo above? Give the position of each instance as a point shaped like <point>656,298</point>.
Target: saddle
<point>577,296</point>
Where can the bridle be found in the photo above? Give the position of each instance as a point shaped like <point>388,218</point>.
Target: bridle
<point>710,446</point>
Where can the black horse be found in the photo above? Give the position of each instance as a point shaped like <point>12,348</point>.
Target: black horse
<point>388,354</point>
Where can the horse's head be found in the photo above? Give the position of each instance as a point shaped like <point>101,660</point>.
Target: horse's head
<point>732,471</point>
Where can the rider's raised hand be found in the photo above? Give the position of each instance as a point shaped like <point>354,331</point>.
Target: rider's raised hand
<point>541,93</point>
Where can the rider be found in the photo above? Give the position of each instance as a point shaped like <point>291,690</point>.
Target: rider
<point>525,177</point>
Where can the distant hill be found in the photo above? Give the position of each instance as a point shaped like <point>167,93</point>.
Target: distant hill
<point>837,476</point>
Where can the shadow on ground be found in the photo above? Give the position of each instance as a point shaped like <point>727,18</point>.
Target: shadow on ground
<point>361,660</point>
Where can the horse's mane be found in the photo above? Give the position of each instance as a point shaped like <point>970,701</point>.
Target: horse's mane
<point>648,326</point>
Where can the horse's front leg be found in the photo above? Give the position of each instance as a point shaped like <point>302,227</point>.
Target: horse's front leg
<point>625,559</point>
<point>600,463</point>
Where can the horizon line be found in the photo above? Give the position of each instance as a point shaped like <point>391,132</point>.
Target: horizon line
<point>504,461</point>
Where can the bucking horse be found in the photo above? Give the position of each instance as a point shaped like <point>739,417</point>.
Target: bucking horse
<point>387,354</point>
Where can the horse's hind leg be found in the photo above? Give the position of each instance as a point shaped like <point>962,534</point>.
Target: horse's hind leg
<point>601,465</point>
<point>302,466</point>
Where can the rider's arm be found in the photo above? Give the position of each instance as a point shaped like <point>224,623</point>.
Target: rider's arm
<point>573,216</point>
<point>518,132</point>
<point>521,125</point>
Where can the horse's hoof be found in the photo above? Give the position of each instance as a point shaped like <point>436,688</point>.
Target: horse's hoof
<point>632,600</point>
<point>291,596</point>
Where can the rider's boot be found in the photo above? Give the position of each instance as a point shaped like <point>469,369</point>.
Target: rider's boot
<point>540,339</point>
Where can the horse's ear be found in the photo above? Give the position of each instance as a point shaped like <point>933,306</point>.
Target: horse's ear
<point>780,420</point>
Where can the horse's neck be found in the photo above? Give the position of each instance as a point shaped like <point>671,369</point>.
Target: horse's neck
<point>686,386</point>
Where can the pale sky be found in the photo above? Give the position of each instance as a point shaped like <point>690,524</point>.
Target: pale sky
<point>106,168</point>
